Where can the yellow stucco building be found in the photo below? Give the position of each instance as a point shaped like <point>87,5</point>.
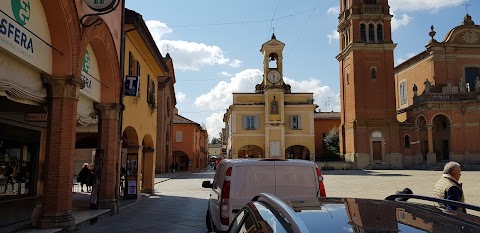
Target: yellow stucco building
<point>273,122</point>
<point>143,65</point>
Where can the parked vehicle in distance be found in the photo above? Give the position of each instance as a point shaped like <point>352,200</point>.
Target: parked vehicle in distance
<point>267,214</point>
<point>237,181</point>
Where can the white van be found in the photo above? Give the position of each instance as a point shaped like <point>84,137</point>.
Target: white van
<point>237,181</point>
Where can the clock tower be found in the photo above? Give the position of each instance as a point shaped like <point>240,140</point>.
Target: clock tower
<point>369,132</point>
<point>273,88</point>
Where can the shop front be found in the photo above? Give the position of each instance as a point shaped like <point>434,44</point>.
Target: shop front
<point>25,55</point>
<point>19,151</point>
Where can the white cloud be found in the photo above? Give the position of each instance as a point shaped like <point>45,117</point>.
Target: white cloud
<point>323,96</point>
<point>403,21</point>
<point>333,36</point>
<point>416,5</point>
<point>215,124</point>
<point>181,97</point>
<point>334,10</point>
<point>220,97</point>
<point>224,73</point>
<point>193,55</point>
<point>235,63</point>
<point>188,55</point>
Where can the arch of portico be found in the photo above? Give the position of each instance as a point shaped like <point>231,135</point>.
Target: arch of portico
<point>251,151</point>
<point>297,152</point>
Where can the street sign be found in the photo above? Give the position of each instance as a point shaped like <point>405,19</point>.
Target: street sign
<point>132,82</point>
<point>100,5</point>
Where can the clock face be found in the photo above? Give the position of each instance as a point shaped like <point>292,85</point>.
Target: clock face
<point>274,76</point>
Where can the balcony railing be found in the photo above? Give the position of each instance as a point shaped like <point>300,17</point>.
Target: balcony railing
<point>444,97</point>
<point>371,9</point>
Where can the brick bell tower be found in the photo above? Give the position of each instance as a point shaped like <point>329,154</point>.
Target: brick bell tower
<point>369,133</point>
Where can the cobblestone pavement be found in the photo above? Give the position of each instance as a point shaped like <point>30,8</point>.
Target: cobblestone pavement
<point>180,203</point>
<point>378,184</point>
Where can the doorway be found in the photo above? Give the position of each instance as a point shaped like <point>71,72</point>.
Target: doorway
<point>377,150</point>
<point>445,150</point>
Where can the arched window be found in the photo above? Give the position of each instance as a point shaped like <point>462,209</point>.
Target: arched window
<point>406,141</point>
<point>379,33</point>
<point>471,75</point>
<point>373,72</point>
<point>363,32</point>
<point>371,33</point>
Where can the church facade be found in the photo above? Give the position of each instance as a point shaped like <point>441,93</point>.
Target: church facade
<point>423,111</point>
<point>272,122</point>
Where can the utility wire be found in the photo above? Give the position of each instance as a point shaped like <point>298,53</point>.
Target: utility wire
<point>273,16</point>
<point>240,22</point>
<point>301,32</point>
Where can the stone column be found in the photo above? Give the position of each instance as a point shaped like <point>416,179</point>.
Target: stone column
<point>148,175</point>
<point>56,211</point>
<point>110,145</point>
<point>431,156</point>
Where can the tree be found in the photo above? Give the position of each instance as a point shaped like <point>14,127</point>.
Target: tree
<point>215,140</point>
<point>331,141</point>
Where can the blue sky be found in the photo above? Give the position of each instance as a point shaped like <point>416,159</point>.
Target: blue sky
<point>215,45</point>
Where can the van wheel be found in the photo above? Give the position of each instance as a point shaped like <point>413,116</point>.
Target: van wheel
<point>208,222</point>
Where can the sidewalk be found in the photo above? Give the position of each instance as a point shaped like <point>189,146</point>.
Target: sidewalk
<point>20,212</point>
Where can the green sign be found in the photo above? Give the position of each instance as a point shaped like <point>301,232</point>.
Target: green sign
<point>86,61</point>
<point>21,11</point>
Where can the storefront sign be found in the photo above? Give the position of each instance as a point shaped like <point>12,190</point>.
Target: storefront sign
<point>100,5</point>
<point>22,24</point>
<point>131,85</point>
<point>91,75</point>
<point>36,117</point>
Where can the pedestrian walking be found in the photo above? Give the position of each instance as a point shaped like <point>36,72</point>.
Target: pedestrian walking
<point>8,173</point>
<point>91,179</point>
<point>84,175</point>
<point>172,168</point>
<point>448,187</point>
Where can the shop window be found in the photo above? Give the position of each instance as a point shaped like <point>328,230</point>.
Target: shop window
<point>18,156</point>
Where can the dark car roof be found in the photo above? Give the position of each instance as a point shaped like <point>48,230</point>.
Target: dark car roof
<point>397,213</point>
<point>366,215</point>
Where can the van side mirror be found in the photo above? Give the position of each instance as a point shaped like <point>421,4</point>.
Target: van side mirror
<point>207,184</point>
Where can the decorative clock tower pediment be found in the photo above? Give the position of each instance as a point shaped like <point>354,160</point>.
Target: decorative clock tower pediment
<point>272,51</point>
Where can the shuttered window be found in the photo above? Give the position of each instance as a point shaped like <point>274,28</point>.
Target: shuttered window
<point>295,122</point>
<point>250,122</point>
<point>179,137</point>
